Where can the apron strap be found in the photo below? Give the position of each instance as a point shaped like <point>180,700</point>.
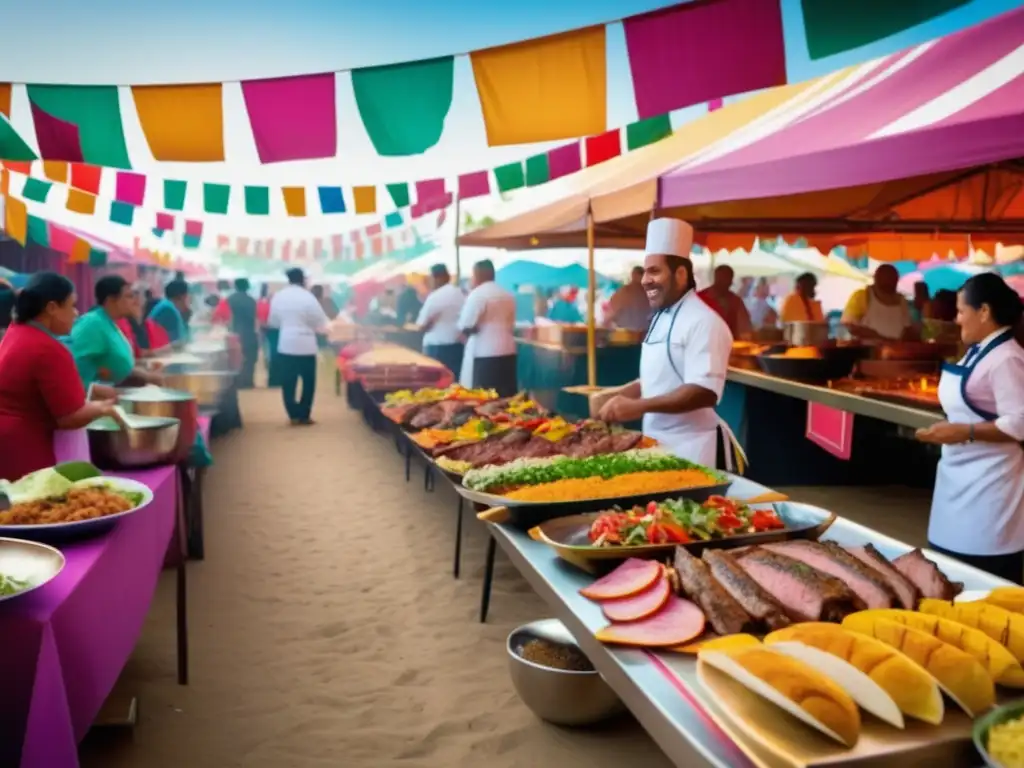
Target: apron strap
<point>735,457</point>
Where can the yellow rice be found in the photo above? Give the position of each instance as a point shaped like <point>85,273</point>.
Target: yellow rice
<point>633,484</point>
<point>1006,743</point>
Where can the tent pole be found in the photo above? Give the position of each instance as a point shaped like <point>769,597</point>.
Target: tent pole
<point>458,226</point>
<point>591,303</point>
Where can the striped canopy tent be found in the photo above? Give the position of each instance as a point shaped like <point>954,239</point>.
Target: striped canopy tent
<point>900,157</point>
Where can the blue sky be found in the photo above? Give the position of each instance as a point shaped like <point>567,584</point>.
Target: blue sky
<point>148,41</point>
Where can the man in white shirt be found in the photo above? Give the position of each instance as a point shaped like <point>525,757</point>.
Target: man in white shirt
<point>439,320</point>
<point>488,318</point>
<point>298,316</point>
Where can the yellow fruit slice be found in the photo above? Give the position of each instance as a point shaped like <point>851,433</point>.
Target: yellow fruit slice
<point>1003,626</point>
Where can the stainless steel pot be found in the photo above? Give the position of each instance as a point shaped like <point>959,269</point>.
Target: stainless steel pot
<point>205,386</point>
<point>805,334</point>
<point>149,441</point>
<point>174,404</point>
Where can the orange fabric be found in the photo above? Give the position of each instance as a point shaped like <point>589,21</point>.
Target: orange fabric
<point>294,200</point>
<point>183,123</point>
<point>5,99</point>
<point>548,88</point>
<point>797,309</point>
<point>80,252</point>
<point>365,199</point>
<point>81,202</point>
<point>5,182</point>
<point>56,170</point>
<point>16,219</point>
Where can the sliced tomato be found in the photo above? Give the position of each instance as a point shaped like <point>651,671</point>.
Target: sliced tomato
<point>763,520</point>
<point>728,521</point>
<point>676,533</point>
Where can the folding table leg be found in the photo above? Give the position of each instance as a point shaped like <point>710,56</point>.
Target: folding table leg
<point>182,605</point>
<point>458,539</point>
<point>408,461</point>
<point>485,595</point>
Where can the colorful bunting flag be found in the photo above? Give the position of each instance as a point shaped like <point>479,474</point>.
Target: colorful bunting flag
<point>715,104</point>
<point>564,160</point>
<point>36,189</point>
<point>131,188</point>
<point>257,201</point>
<point>332,200</point>
<point>182,123</point>
<point>292,118</point>
<point>56,170</point>
<point>86,177</point>
<point>79,123</point>
<point>216,198</point>
<point>365,199</point>
<point>193,228</point>
<point>644,132</point>
<point>294,200</point>
<point>174,194</point>
<point>393,219</point>
<point>97,257</point>
<point>5,99</point>
<point>603,147</point>
<point>336,245</point>
<point>81,202</point>
<point>61,240</point>
<point>16,219</point>
<point>242,245</point>
<point>223,241</point>
<point>164,222</point>
<point>191,241</point>
<point>537,171</point>
<point>12,146</point>
<point>430,192</point>
<point>834,26</point>
<point>510,176</point>
<point>476,184</point>
<point>732,46</point>
<point>549,88</point>
<point>404,106</point>
<point>80,252</point>
<point>399,194</point>
<point>122,213</point>
<point>38,231</point>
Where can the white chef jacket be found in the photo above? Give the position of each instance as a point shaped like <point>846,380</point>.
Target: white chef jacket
<point>492,311</point>
<point>296,313</point>
<point>443,306</point>
<point>688,343</point>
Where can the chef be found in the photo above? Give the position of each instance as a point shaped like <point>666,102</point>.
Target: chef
<point>684,358</point>
<point>977,511</point>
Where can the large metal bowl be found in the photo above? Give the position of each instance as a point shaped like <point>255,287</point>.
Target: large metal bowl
<point>555,695</point>
<point>205,386</point>
<point>29,562</point>
<point>172,404</point>
<point>150,440</point>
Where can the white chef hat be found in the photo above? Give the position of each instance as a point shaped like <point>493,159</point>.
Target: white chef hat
<point>672,237</point>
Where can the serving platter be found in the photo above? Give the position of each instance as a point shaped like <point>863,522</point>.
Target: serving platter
<point>28,561</point>
<point>567,536</point>
<point>62,532</point>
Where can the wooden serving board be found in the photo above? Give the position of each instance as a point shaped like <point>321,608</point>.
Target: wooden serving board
<point>772,738</point>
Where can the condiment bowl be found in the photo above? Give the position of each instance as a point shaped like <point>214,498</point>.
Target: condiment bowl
<point>984,724</point>
<point>558,696</point>
<point>150,440</point>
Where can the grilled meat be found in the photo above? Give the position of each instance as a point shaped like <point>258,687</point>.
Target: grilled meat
<point>725,615</point>
<point>447,413</point>
<point>926,576</point>
<point>830,558</point>
<point>805,593</point>
<point>904,588</point>
<point>747,592</point>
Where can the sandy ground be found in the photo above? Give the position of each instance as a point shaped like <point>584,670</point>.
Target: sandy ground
<point>327,629</point>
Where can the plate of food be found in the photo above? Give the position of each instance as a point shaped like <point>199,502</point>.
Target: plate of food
<point>68,501</point>
<point>25,566</point>
<point>598,540</point>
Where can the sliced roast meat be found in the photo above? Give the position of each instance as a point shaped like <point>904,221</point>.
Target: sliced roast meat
<point>744,590</point>
<point>830,558</point>
<point>926,576</point>
<point>625,441</point>
<point>805,593</point>
<point>725,615</point>
<point>904,588</point>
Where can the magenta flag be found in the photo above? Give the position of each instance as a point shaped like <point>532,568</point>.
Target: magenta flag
<point>476,184</point>
<point>61,240</point>
<point>293,118</point>
<point>699,51</point>
<point>564,160</point>
<point>431,195</point>
<point>58,139</point>
<point>131,188</point>
<point>715,104</point>
<point>193,228</point>
<point>164,221</point>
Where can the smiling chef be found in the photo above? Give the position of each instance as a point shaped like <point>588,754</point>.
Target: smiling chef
<point>684,359</point>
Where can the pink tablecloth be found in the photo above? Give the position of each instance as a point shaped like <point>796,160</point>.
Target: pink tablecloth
<point>63,647</point>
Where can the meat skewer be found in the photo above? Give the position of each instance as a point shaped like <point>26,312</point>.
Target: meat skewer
<point>747,592</point>
<point>722,611</point>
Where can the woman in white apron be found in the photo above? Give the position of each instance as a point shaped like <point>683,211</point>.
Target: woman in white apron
<point>977,510</point>
<point>43,404</point>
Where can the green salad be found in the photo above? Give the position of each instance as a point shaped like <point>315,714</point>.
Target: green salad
<point>11,586</point>
<point>549,470</point>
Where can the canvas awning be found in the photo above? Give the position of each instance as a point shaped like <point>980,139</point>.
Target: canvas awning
<point>926,141</point>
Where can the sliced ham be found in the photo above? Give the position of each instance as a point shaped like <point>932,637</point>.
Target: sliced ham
<point>640,605</point>
<point>678,622</point>
<point>630,578</point>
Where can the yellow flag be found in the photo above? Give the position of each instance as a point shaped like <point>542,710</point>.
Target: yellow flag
<point>81,202</point>
<point>16,219</point>
<point>294,200</point>
<point>365,199</point>
<point>550,88</point>
<point>182,123</point>
<point>80,252</point>
<point>56,170</point>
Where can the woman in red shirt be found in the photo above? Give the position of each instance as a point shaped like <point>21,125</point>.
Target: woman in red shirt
<point>147,337</point>
<point>40,389</point>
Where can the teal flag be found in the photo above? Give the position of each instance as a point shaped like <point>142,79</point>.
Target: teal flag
<point>644,132</point>
<point>400,194</point>
<point>257,201</point>
<point>12,146</point>
<point>122,213</point>
<point>834,26</point>
<point>36,189</point>
<point>216,197</point>
<point>96,111</point>
<point>404,106</point>
<point>97,257</point>
<point>174,194</point>
<point>538,171</point>
<point>509,176</point>
<point>38,231</point>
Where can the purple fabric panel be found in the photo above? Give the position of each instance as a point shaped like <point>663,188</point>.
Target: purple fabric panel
<point>943,148</point>
<point>949,62</point>
<point>81,628</point>
<point>564,160</point>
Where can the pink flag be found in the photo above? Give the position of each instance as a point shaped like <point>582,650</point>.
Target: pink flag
<point>476,184</point>
<point>243,245</point>
<point>336,245</point>
<point>286,251</point>
<point>223,241</point>
<point>61,240</point>
<point>429,194</point>
<point>698,51</point>
<point>564,160</point>
<point>318,246</point>
<point>164,221</point>
<point>131,188</point>
<point>58,139</point>
<point>715,104</point>
<point>300,253</point>
<point>373,230</point>
<point>193,228</point>
<point>292,118</point>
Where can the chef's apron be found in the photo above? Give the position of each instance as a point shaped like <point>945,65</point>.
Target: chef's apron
<point>694,435</point>
<point>887,320</point>
<point>466,374</point>
<point>978,505</point>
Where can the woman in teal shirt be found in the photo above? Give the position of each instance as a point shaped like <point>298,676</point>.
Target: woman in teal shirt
<point>101,350</point>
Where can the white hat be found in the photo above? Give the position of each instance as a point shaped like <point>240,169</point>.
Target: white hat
<point>672,237</point>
